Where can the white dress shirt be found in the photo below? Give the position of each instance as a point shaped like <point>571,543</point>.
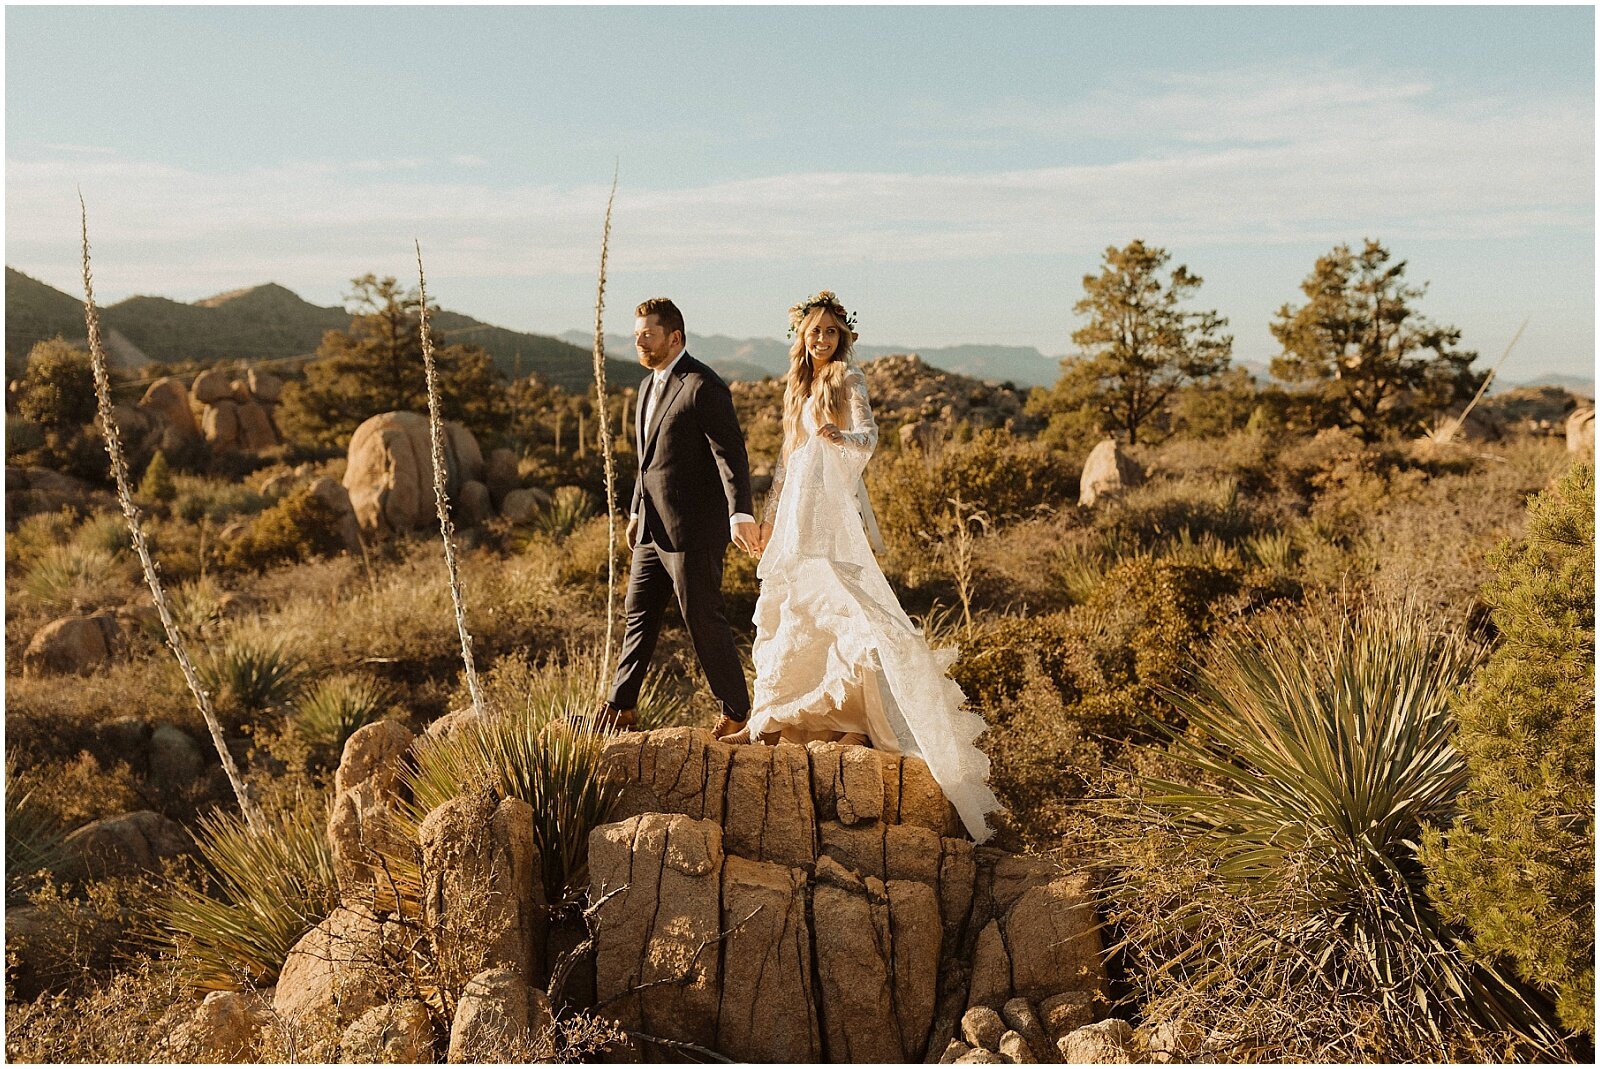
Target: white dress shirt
<point>658,381</point>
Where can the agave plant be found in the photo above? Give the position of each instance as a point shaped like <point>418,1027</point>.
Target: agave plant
<point>269,890</point>
<point>1322,741</point>
<point>336,707</point>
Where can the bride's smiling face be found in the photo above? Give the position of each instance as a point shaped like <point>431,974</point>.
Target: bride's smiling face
<point>822,338</point>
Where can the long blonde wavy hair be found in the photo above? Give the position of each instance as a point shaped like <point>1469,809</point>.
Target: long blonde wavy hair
<point>803,379</point>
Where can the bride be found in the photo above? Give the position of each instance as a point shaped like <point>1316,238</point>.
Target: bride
<point>836,658</point>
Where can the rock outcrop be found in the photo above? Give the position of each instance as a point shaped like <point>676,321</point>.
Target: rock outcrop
<point>792,903</point>
<point>389,472</point>
<point>122,846</point>
<point>1107,472</point>
<point>1580,431</point>
<point>238,412</point>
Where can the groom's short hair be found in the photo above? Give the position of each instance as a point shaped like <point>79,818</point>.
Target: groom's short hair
<point>666,314</point>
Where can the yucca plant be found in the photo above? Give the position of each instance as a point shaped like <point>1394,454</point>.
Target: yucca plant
<point>255,674</point>
<point>1272,550</point>
<point>332,709</point>
<point>538,743</point>
<point>569,507</point>
<point>64,576</point>
<point>197,605</point>
<point>268,890</point>
<point>1322,743</point>
<point>33,836</point>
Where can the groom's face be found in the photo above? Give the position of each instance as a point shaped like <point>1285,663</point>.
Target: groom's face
<point>655,346</point>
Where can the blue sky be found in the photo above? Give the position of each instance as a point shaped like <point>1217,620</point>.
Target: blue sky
<point>952,172</point>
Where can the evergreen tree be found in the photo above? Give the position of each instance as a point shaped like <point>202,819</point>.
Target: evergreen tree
<point>157,484</point>
<point>376,366</point>
<point>1138,345</point>
<point>1518,866</point>
<point>1359,341</point>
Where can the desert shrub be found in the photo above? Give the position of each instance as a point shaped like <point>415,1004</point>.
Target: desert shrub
<point>128,1019</point>
<point>57,388</point>
<point>569,506</point>
<point>301,525</point>
<point>1042,762</point>
<point>1519,860</point>
<point>39,532</point>
<point>548,755</point>
<point>263,892</point>
<point>1319,749</point>
<point>70,939</point>
<point>76,577</point>
<point>33,834</point>
<point>252,673</point>
<point>1159,510</point>
<point>157,483</point>
<point>216,500</point>
<point>335,707</point>
<point>1216,407</point>
<point>70,793</point>
<point>994,473</point>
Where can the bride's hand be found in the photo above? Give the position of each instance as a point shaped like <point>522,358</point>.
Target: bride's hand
<point>831,432</point>
<point>763,538</point>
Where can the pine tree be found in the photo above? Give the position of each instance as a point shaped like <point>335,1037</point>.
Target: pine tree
<point>1518,866</point>
<point>1362,346</point>
<point>376,366</point>
<point>157,484</point>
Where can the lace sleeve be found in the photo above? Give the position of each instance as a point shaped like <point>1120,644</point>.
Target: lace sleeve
<point>862,437</point>
<point>769,508</point>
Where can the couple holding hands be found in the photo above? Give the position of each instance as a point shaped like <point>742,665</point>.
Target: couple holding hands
<point>836,658</point>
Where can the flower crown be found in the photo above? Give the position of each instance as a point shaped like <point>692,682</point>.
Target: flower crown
<point>826,299</point>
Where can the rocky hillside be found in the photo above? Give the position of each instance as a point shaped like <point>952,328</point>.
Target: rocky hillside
<point>264,323</point>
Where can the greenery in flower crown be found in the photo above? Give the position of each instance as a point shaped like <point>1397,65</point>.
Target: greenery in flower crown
<point>826,299</point>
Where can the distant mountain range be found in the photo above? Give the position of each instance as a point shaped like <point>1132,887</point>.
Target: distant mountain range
<point>748,359</point>
<point>263,323</point>
<point>269,322</point>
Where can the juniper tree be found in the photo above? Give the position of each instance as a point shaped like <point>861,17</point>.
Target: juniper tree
<point>1138,345</point>
<point>375,365</point>
<point>1361,345</point>
<point>1517,868</point>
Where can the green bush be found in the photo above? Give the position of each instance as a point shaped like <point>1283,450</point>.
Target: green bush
<point>157,483</point>
<point>251,675</point>
<point>76,577</point>
<point>1517,866</point>
<point>569,507</point>
<point>1319,746</point>
<point>265,892</point>
<point>300,526</point>
<point>57,389</point>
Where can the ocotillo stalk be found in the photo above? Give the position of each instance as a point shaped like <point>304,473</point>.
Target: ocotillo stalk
<point>605,433</point>
<point>130,512</point>
<point>447,529</point>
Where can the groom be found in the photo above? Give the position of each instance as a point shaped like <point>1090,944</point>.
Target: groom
<point>691,497</point>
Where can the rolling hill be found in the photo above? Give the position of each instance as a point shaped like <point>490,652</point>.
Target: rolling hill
<point>263,323</point>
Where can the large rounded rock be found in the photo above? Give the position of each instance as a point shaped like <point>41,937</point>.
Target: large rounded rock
<point>221,423</point>
<point>1105,1042</point>
<point>265,386</point>
<point>72,644</point>
<point>522,505</point>
<point>1106,473</point>
<point>389,472</point>
<point>255,430</point>
<point>500,474</point>
<point>212,386</point>
<point>122,846</point>
<point>476,504</point>
<point>168,401</point>
<point>498,1016</point>
<point>175,758</point>
<point>1580,431</point>
<point>224,1028</point>
<point>337,971</point>
<point>396,1033</point>
<point>982,1027</point>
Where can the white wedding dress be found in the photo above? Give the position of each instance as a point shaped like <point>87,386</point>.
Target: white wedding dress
<point>833,650</point>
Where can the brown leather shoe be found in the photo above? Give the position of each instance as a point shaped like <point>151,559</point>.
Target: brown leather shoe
<point>731,731</point>
<point>609,717</point>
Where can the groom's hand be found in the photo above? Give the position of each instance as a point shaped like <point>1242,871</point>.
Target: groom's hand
<point>747,537</point>
<point>632,534</point>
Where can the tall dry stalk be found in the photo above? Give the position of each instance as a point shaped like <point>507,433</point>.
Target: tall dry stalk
<point>130,512</point>
<point>606,451</point>
<point>447,528</point>
<point>1449,428</point>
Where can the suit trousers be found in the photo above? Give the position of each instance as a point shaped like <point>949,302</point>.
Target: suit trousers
<point>696,576</point>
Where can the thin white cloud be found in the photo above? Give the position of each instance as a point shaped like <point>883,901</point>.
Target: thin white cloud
<point>1260,157</point>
